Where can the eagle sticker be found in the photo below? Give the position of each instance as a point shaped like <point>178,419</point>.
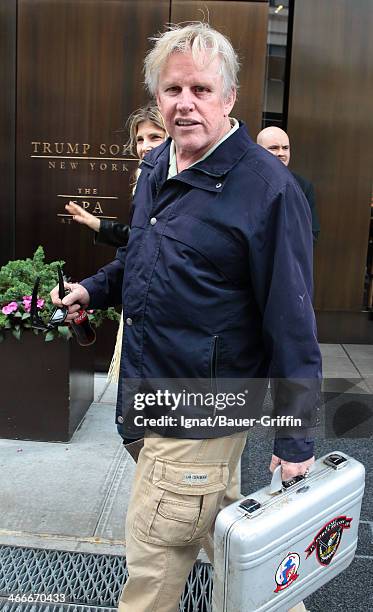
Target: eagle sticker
<point>328,539</point>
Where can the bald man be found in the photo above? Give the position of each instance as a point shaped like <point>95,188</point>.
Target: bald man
<point>276,141</point>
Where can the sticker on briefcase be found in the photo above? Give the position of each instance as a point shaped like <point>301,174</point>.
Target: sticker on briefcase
<point>328,539</point>
<point>287,571</point>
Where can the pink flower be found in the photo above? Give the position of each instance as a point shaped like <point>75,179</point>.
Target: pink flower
<point>9,308</point>
<point>27,302</point>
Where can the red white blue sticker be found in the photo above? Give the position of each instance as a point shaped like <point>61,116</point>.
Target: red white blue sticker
<point>287,571</point>
<point>328,539</point>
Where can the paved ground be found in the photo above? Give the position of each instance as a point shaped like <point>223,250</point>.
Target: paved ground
<point>74,496</point>
<point>68,496</point>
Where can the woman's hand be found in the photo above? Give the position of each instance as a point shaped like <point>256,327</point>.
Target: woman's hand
<point>82,216</point>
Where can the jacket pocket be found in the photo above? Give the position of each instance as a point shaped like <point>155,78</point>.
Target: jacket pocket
<point>228,256</point>
<point>181,502</point>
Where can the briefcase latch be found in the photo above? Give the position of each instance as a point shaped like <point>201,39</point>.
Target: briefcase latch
<point>250,505</point>
<point>335,460</point>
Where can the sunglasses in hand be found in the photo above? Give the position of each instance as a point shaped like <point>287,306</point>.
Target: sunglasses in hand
<point>81,326</point>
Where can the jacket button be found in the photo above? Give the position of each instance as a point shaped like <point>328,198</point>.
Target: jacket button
<point>218,185</point>
<point>129,321</point>
<point>153,221</point>
<point>120,419</point>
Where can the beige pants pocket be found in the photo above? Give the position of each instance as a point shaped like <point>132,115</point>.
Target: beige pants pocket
<point>180,502</point>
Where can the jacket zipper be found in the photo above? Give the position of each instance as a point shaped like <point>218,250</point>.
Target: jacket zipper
<point>214,366</point>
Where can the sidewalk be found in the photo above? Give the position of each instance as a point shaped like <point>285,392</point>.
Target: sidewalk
<point>74,496</point>
<point>70,496</point>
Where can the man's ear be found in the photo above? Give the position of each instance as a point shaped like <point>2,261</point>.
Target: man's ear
<point>230,100</point>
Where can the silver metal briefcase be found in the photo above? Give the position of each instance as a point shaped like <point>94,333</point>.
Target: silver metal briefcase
<point>274,549</point>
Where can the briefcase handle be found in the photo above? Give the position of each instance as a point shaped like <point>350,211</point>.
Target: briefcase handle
<point>277,484</point>
<point>335,460</point>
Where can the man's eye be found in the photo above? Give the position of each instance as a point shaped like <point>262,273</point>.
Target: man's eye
<point>200,89</point>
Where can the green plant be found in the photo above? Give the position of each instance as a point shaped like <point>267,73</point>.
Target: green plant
<point>17,279</point>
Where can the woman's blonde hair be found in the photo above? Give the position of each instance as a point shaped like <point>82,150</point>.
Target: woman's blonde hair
<point>145,113</point>
<point>203,42</point>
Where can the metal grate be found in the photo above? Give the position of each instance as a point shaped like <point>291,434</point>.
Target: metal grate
<point>85,581</point>
<point>14,607</point>
<point>197,596</point>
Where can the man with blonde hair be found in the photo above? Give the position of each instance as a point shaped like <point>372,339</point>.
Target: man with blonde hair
<point>217,288</point>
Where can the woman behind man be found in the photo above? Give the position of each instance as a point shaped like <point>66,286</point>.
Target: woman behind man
<point>146,131</point>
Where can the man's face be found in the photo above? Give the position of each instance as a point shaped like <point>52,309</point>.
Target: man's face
<point>276,141</point>
<point>192,104</point>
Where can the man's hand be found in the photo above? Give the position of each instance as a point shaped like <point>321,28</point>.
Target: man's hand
<point>288,469</point>
<point>82,216</point>
<point>77,298</point>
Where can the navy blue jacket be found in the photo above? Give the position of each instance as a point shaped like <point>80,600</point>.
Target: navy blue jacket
<point>218,279</point>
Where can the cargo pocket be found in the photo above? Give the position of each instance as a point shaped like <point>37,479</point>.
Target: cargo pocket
<point>180,502</point>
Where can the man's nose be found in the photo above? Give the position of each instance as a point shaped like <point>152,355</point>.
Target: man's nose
<point>185,102</point>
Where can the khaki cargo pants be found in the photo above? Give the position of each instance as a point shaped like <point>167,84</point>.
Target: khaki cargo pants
<point>179,487</point>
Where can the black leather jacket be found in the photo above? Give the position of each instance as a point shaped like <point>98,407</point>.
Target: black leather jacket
<point>112,233</point>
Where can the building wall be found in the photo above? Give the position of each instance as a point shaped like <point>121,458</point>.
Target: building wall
<point>331,131</point>
<point>8,12</point>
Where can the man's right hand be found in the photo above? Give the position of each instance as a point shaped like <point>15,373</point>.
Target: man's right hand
<point>76,299</point>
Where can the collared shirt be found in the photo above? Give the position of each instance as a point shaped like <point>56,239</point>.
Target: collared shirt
<point>172,171</point>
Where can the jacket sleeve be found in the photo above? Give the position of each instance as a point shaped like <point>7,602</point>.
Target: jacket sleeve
<point>281,269</point>
<point>112,233</point>
<point>309,192</point>
<point>105,287</point>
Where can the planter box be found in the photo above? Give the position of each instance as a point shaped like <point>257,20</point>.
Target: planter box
<point>46,387</point>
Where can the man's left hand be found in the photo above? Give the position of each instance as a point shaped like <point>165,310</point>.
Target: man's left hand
<point>289,469</point>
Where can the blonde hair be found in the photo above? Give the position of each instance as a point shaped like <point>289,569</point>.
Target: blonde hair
<point>145,113</point>
<point>200,39</point>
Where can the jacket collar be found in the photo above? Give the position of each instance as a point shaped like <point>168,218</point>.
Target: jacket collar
<point>206,173</point>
